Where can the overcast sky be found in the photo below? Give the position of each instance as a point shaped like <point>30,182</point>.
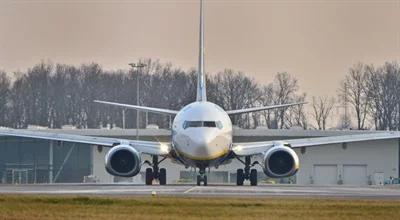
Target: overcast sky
<point>316,41</point>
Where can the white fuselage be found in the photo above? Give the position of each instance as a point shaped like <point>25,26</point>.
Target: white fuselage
<point>202,134</point>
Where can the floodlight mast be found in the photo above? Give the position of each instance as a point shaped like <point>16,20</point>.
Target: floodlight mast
<point>137,66</point>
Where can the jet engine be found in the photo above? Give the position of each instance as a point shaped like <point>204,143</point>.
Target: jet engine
<point>123,160</point>
<point>280,161</point>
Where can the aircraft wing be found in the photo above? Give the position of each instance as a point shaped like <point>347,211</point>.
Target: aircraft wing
<point>146,147</point>
<point>262,108</point>
<point>253,148</point>
<point>142,108</point>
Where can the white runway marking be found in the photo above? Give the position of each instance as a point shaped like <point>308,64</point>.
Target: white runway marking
<point>189,190</point>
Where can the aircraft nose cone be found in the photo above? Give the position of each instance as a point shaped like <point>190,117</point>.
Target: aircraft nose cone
<point>202,140</point>
<point>206,144</point>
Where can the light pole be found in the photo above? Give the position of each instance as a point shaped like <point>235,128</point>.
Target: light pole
<point>123,118</point>
<point>137,66</point>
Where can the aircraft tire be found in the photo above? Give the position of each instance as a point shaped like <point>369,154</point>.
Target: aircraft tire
<point>198,180</point>
<point>239,177</point>
<point>163,176</point>
<point>149,176</point>
<point>253,177</point>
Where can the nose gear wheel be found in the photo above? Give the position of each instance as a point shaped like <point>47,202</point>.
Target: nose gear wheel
<point>202,177</point>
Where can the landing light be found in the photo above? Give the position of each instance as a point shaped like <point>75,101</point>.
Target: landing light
<point>238,148</point>
<point>164,148</point>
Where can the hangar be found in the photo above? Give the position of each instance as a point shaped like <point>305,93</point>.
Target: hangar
<point>358,163</point>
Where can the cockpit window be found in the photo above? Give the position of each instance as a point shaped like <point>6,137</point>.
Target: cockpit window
<point>219,124</point>
<point>210,124</point>
<point>196,124</point>
<point>192,124</point>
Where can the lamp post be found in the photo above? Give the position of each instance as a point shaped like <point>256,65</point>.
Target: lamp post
<point>123,118</point>
<point>137,66</point>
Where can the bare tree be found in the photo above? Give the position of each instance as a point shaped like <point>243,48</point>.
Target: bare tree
<point>383,84</point>
<point>358,95</point>
<point>285,87</point>
<point>322,107</point>
<point>296,116</point>
<point>4,97</point>
<point>235,91</point>
<point>267,98</point>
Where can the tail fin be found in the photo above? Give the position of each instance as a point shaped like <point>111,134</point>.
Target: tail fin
<point>201,80</point>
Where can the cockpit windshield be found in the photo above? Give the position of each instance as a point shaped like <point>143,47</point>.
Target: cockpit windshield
<point>210,124</point>
<point>196,124</point>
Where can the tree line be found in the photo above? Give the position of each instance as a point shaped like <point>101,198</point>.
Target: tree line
<point>370,97</point>
<point>54,95</point>
<point>373,95</point>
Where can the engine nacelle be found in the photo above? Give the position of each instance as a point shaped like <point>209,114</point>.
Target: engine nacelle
<point>280,161</point>
<point>123,160</point>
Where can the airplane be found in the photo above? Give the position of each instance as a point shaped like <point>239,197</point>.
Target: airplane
<point>201,138</point>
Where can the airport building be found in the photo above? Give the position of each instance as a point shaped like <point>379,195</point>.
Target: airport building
<point>24,160</point>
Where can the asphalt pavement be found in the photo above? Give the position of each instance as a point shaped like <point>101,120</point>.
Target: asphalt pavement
<point>370,192</point>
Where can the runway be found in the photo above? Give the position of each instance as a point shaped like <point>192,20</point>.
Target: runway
<point>208,191</point>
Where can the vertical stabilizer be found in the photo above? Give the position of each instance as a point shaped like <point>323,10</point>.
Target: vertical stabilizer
<point>201,80</point>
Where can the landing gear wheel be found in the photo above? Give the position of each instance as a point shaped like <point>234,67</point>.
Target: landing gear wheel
<point>239,177</point>
<point>253,177</point>
<point>155,172</point>
<point>163,176</point>
<point>201,178</point>
<point>198,180</point>
<point>149,176</point>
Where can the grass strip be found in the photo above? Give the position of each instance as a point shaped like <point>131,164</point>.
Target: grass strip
<point>38,207</point>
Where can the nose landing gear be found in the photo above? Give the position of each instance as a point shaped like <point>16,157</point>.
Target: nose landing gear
<point>202,177</point>
<point>247,173</point>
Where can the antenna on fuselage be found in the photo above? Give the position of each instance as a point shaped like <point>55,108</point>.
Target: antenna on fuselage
<point>201,80</point>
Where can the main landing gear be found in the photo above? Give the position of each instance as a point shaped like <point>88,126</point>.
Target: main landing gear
<point>155,173</point>
<point>202,177</point>
<point>247,173</point>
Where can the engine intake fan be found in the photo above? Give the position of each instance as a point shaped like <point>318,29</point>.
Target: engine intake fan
<point>123,160</point>
<point>280,161</point>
